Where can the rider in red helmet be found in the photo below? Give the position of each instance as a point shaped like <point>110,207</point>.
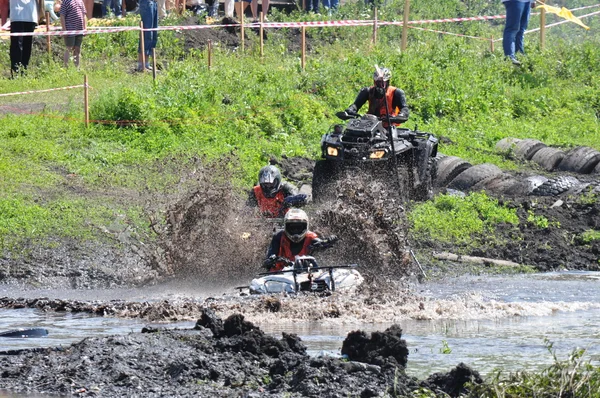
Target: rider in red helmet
<point>378,94</point>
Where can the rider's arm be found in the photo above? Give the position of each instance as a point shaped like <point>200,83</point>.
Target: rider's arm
<point>400,102</point>
<point>251,201</point>
<point>361,99</point>
<point>288,189</point>
<point>274,246</point>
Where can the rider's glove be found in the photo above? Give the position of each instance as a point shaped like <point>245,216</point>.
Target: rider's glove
<point>332,239</point>
<point>270,261</point>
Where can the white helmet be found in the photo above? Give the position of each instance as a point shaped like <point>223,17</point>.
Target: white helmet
<point>295,224</point>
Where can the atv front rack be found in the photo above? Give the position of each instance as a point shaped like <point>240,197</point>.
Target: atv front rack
<point>309,270</point>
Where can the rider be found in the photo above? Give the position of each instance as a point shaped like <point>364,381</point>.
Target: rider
<point>376,96</point>
<point>270,193</point>
<point>294,240</point>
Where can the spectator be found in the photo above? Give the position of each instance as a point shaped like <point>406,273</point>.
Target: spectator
<point>149,14</point>
<point>213,8</point>
<point>312,6</point>
<point>23,19</point>
<point>162,8</point>
<point>331,5</point>
<point>265,8</point>
<point>72,17</point>
<point>3,12</point>
<point>517,19</point>
<point>114,5</point>
<point>240,8</point>
<point>50,7</point>
<point>228,6</point>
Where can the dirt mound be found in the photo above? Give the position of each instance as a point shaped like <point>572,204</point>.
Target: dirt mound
<point>198,362</point>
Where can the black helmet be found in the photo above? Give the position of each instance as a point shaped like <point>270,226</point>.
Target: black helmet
<point>381,77</point>
<point>295,224</point>
<point>269,179</point>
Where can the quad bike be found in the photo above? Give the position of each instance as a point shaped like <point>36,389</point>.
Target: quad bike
<point>305,275</point>
<point>399,155</point>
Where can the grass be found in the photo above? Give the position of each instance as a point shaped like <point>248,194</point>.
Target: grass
<point>249,109</point>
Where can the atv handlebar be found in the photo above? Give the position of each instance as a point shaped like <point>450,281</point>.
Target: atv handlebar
<point>345,115</point>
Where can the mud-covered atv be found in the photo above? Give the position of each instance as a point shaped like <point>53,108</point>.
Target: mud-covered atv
<point>397,155</point>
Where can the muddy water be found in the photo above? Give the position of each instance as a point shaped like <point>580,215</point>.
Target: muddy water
<point>562,309</point>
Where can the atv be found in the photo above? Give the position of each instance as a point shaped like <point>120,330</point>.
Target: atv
<point>398,155</point>
<point>305,275</point>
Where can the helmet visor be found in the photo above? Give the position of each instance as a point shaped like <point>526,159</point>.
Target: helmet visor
<point>297,228</point>
<point>268,188</point>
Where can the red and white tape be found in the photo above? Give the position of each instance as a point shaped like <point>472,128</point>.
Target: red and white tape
<point>42,91</point>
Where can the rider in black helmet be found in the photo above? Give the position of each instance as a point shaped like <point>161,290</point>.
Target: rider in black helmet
<point>271,193</point>
<point>377,94</point>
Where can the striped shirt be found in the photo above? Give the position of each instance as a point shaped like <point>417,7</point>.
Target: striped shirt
<point>74,13</point>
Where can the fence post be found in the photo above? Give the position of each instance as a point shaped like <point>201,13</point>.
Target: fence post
<point>154,64</point>
<point>48,30</point>
<point>209,54</point>
<point>261,32</point>
<point>123,8</point>
<point>86,101</point>
<point>375,25</point>
<point>242,25</point>
<point>303,57</point>
<point>542,28</point>
<point>405,23</point>
<point>142,47</point>
<point>492,44</point>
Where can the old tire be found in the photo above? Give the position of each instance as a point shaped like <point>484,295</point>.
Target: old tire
<point>580,160</point>
<point>323,181</point>
<point>497,185</point>
<point>424,191</point>
<point>525,149</point>
<point>507,146</point>
<point>556,186</point>
<point>474,175</point>
<point>597,169</point>
<point>549,158</point>
<point>448,168</point>
<point>526,186</point>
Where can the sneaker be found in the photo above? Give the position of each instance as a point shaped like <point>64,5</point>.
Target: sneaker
<point>514,61</point>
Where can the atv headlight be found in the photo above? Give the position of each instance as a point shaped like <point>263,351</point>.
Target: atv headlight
<point>332,151</point>
<point>377,155</point>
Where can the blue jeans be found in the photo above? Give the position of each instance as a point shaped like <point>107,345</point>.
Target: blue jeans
<point>149,14</point>
<point>312,5</point>
<point>517,19</point>
<point>329,4</point>
<point>115,5</point>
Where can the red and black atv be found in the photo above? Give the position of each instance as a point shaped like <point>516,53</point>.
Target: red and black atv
<point>398,155</point>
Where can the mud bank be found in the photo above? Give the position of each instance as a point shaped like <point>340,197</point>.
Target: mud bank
<point>230,358</point>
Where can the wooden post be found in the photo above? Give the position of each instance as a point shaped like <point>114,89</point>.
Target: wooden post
<point>405,24</point>
<point>261,32</point>
<point>209,54</point>
<point>183,7</point>
<point>542,29</point>
<point>48,30</point>
<point>242,25</point>
<point>123,8</point>
<point>375,26</point>
<point>86,103</point>
<point>492,44</point>
<point>303,58</point>
<point>154,64</point>
<point>142,49</point>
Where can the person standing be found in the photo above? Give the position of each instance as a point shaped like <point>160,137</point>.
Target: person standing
<point>149,13</point>
<point>73,18</point>
<point>114,5</point>
<point>517,19</point>
<point>264,8</point>
<point>23,19</point>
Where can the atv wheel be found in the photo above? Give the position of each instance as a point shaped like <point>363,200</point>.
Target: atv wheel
<point>424,191</point>
<point>323,181</point>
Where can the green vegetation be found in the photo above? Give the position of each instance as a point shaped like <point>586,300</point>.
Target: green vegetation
<point>57,177</point>
<point>457,220</point>
<point>590,235</point>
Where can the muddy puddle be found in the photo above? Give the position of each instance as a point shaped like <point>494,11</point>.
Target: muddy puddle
<point>560,308</point>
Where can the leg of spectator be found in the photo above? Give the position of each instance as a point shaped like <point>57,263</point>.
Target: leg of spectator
<point>76,55</point>
<point>106,8</point>
<point>511,26</point>
<point>162,9</point>
<point>117,8</point>
<point>89,8</point>
<point>229,8</point>
<point>27,44</point>
<point>523,22</point>
<point>254,9</point>
<point>326,4</point>
<point>16,47</point>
